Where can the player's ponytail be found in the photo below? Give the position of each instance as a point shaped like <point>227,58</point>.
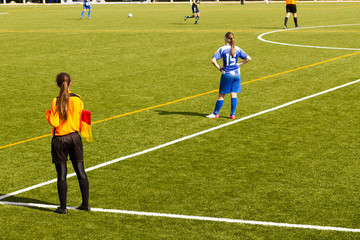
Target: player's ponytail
<point>229,36</point>
<point>62,104</point>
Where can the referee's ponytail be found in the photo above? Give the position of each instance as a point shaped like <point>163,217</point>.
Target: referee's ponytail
<point>62,104</point>
<point>229,38</point>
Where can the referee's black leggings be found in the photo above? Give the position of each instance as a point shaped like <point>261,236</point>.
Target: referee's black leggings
<point>61,170</point>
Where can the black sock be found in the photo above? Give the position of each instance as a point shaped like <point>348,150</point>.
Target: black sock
<point>286,19</point>
<point>295,21</point>
<point>61,184</point>
<point>83,182</point>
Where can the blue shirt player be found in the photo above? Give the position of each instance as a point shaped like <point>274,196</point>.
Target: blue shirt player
<point>86,5</point>
<point>230,77</point>
<point>195,10</point>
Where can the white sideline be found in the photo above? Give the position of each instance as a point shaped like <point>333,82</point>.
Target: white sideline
<point>260,37</point>
<point>189,217</point>
<point>181,139</point>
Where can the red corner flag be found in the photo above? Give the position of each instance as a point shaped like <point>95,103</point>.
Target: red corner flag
<point>85,130</point>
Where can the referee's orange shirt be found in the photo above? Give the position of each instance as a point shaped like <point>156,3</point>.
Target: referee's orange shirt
<point>290,1</point>
<point>73,122</point>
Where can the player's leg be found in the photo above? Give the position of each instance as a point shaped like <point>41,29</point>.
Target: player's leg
<point>77,159</point>
<point>61,170</point>
<point>286,16</point>
<point>89,13</point>
<point>224,88</point>
<point>235,89</point>
<point>193,9</point>
<point>82,14</point>
<point>59,153</point>
<point>197,17</point>
<point>218,106</point>
<point>83,183</point>
<point>233,104</point>
<point>295,19</point>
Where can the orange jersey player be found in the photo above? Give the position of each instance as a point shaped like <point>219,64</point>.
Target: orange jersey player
<point>65,118</point>
<point>291,8</point>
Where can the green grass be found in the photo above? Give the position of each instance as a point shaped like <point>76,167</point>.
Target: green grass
<point>298,165</point>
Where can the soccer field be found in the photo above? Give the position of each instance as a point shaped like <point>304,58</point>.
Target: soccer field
<point>287,167</point>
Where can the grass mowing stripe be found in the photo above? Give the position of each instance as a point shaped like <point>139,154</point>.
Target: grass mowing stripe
<point>118,30</point>
<point>186,98</point>
<point>182,139</point>
<point>199,218</point>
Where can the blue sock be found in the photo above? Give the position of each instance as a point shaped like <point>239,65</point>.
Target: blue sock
<point>218,105</point>
<point>233,105</point>
<point>82,14</point>
<point>89,13</point>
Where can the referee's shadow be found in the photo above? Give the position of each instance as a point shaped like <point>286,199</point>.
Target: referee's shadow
<point>16,199</point>
<point>195,114</point>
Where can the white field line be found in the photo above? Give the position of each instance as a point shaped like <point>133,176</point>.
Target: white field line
<point>199,218</point>
<point>260,37</point>
<point>181,139</point>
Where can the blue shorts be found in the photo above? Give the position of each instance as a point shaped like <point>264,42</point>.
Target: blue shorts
<point>195,9</point>
<point>230,83</point>
<point>87,7</point>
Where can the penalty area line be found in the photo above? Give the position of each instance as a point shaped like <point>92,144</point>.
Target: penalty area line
<point>199,218</point>
<point>183,138</point>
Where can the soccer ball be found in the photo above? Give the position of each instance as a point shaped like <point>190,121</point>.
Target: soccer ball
<point>130,15</point>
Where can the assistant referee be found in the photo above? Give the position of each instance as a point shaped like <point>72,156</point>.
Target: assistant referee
<point>291,8</point>
<point>65,117</point>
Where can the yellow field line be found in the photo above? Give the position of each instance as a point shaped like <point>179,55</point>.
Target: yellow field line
<point>186,98</point>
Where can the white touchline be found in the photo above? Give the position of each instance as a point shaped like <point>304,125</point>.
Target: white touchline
<point>180,139</point>
<point>260,37</point>
<point>200,218</point>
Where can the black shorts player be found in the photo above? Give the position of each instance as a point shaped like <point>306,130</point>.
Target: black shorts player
<point>291,8</point>
<point>195,10</point>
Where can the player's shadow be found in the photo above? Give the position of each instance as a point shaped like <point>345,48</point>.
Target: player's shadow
<point>15,199</point>
<point>195,114</point>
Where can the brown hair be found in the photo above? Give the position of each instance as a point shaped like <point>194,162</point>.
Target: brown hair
<point>62,104</point>
<point>231,39</point>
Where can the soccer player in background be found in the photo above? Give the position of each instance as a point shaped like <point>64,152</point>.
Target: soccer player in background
<point>291,8</point>
<point>86,5</point>
<point>195,10</point>
<point>65,117</point>
<point>230,78</point>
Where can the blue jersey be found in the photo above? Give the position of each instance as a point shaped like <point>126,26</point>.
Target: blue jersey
<point>229,62</point>
<point>87,4</point>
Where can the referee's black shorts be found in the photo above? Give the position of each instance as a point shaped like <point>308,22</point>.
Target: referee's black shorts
<point>291,8</point>
<point>62,146</point>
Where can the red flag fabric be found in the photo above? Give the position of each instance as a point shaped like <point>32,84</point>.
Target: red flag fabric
<point>85,130</point>
<point>86,117</point>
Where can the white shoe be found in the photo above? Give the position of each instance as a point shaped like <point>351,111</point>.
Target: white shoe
<point>213,116</point>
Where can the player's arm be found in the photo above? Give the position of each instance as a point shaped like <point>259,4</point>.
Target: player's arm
<point>194,2</point>
<point>246,60</point>
<point>213,60</point>
<point>52,116</point>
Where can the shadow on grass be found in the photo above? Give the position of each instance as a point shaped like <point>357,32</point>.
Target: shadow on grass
<point>16,199</point>
<point>162,112</point>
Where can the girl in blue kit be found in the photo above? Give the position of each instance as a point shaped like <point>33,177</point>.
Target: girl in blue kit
<point>86,5</point>
<point>230,77</point>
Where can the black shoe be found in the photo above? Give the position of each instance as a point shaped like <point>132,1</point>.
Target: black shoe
<point>61,211</point>
<point>84,208</point>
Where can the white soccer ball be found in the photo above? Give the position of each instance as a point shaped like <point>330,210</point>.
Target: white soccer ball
<point>130,15</point>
